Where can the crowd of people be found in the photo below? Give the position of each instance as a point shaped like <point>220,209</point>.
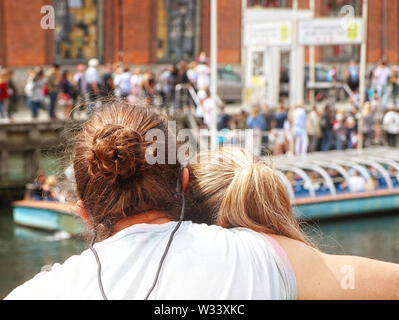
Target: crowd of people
<point>318,128</point>
<point>328,127</point>
<point>83,87</point>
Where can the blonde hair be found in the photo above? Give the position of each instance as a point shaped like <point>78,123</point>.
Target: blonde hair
<point>239,190</point>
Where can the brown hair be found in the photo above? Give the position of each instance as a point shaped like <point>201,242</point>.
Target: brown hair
<point>237,189</point>
<point>113,178</point>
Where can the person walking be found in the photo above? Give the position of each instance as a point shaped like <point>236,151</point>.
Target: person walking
<point>351,129</point>
<point>258,124</point>
<point>53,88</point>
<point>167,84</point>
<point>203,74</point>
<point>395,85</point>
<point>28,89</point>
<point>37,98</point>
<point>108,83</point>
<point>13,95</point>
<point>368,125</point>
<point>66,96</point>
<point>4,95</point>
<point>182,84</point>
<point>340,130</point>
<point>313,129</point>
<point>352,76</point>
<point>123,82</point>
<point>299,132</point>
<point>278,122</point>
<point>93,83</point>
<point>148,86</point>
<point>382,74</point>
<point>79,80</point>
<point>326,125</point>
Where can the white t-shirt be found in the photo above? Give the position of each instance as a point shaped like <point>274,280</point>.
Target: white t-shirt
<point>382,75</point>
<point>207,109</point>
<point>203,262</point>
<point>357,184</point>
<point>92,75</point>
<point>203,76</point>
<point>391,122</point>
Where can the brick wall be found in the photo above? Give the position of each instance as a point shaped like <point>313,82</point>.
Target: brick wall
<point>229,30</point>
<point>26,43</point>
<point>393,31</point>
<point>3,48</point>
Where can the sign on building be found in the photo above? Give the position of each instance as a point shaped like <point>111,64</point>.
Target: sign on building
<point>268,34</point>
<point>329,31</point>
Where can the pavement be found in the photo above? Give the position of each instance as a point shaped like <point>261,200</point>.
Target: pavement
<point>24,114</point>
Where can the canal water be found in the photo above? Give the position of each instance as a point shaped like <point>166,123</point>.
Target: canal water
<point>25,252</point>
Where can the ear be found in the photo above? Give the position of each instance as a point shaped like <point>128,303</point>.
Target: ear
<point>83,213</point>
<point>185,179</point>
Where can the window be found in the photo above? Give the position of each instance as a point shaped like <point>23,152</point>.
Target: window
<point>269,3</point>
<point>76,33</point>
<point>340,52</point>
<point>176,30</point>
<point>229,75</point>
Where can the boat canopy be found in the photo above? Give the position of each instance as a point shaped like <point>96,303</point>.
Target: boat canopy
<point>334,173</point>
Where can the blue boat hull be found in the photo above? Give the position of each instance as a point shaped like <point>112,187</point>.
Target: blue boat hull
<point>48,219</point>
<point>347,207</point>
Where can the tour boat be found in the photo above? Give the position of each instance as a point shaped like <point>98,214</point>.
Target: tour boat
<point>347,205</point>
<point>48,215</point>
<point>319,186</point>
<point>325,184</point>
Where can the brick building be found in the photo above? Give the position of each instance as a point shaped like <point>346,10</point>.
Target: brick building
<point>152,32</point>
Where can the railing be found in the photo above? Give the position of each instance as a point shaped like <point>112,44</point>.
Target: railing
<point>379,167</point>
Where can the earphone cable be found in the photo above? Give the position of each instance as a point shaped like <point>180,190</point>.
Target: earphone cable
<point>168,246</point>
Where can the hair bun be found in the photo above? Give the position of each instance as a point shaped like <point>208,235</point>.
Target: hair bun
<point>118,154</point>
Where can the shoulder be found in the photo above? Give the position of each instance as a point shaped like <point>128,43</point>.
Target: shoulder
<point>218,239</point>
<point>56,283</point>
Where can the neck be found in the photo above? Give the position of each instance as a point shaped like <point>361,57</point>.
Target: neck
<point>150,217</point>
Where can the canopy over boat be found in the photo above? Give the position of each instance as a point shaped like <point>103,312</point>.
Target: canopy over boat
<point>337,183</point>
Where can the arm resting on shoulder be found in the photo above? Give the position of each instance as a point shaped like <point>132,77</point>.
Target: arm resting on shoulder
<point>322,276</point>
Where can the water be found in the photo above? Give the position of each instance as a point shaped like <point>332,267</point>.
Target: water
<point>25,252</point>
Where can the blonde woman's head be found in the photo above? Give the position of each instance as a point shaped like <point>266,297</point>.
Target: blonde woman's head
<point>236,189</point>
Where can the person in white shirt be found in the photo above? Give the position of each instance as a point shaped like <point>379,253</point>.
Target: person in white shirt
<point>133,207</point>
<point>123,82</point>
<point>93,80</point>
<point>357,183</point>
<point>207,107</point>
<point>203,76</point>
<point>382,75</point>
<point>390,125</point>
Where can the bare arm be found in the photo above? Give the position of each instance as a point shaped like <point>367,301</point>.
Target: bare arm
<point>322,276</point>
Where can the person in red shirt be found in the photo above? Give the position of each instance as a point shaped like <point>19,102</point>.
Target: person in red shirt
<point>3,94</point>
